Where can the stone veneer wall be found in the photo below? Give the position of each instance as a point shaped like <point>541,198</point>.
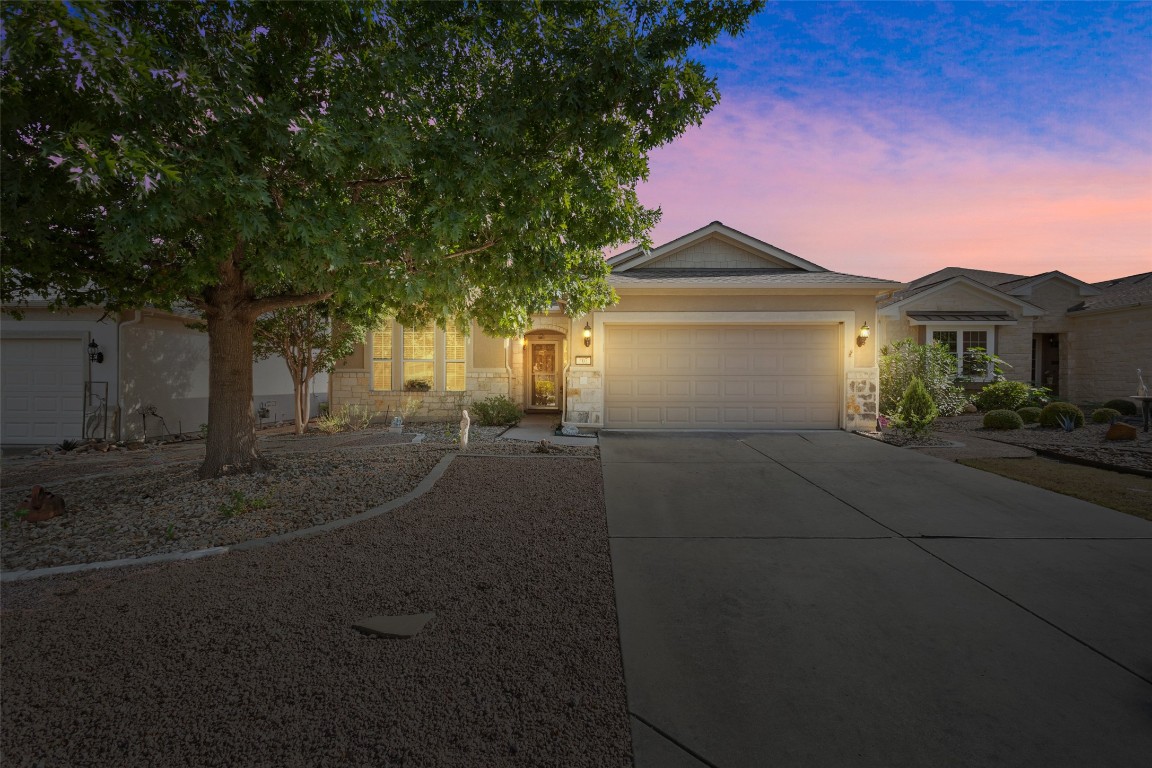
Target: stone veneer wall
<point>352,388</point>
<point>585,398</point>
<point>862,399</point>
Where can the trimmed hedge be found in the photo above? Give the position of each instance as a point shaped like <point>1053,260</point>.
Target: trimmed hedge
<point>496,411</point>
<point>1029,415</point>
<point>1050,415</point>
<point>1105,415</point>
<point>1003,419</point>
<point>1124,405</point>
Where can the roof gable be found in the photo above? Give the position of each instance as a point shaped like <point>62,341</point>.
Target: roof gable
<point>713,247</point>
<point>1025,285</point>
<point>916,296</point>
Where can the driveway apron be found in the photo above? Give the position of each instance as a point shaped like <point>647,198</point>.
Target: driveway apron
<point>822,599</point>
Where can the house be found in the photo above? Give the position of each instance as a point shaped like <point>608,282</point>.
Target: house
<point>88,374</point>
<point>1084,341</point>
<point>714,330</point>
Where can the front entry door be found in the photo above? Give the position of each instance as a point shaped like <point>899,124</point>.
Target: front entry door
<point>544,377</point>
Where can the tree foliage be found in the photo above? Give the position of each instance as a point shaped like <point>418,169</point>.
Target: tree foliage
<point>310,338</point>
<point>466,160</point>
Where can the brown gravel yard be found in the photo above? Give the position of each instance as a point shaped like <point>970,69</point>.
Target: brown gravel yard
<point>249,658</point>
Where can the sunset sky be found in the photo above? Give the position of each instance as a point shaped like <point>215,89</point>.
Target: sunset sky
<point>894,139</point>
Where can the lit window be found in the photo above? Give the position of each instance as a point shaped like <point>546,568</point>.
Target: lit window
<point>382,356</point>
<point>453,359</point>
<point>419,367</point>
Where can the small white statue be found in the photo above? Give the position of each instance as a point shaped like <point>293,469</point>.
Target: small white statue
<point>1141,387</point>
<point>464,423</point>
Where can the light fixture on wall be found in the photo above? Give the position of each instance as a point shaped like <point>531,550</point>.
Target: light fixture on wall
<point>94,353</point>
<point>865,332</point>
<point>587,335</point>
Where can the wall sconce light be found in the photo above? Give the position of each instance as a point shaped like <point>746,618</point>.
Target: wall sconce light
<point>94,353</point>
<point>865,332</point>
<point>587,335</point>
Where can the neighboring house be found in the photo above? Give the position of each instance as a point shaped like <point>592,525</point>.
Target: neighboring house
<point>86,374</point>
<point>714,330</point>
<point>1083,341</point>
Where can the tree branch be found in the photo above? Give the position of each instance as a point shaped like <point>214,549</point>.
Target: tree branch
<point>359,184</point>
<point>485,246</point>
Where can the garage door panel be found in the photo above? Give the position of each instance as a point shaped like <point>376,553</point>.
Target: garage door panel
<point>43,383</point>
<point>779,377</point>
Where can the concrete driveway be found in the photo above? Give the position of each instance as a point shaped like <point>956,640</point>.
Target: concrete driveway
<point>822,599</point>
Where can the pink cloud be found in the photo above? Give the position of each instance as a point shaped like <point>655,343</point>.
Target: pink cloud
<point>897,195</point>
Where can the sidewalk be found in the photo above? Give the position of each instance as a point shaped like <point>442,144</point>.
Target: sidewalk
<point>535,427</point>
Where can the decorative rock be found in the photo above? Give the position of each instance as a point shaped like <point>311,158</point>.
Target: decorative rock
<point>570,431</point>
<point>1121,431</point>
<point>396,627</point>
<point>970,408</point>
<point>41,505</point>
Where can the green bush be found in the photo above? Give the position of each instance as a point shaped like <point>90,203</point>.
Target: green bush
<point>1122,404</point>
<point>1106,415</point>
<point>496,411</point>
<point>1002,395</point>
<point>933,364</point>
<point>1003,419</point>
<point>1050,415</point>
<point>917,410</point>
<point>1029,414</point>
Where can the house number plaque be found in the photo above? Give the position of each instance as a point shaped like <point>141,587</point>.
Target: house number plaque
<point>583,359</point>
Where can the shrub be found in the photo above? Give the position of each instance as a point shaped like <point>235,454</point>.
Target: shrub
<point>1002,395</point>
<point>1125,406</point>
<point>417,385</point>
<point>1039,397</point>
<point>1029,414</point>
<point>496,411</point>
<point>933,364</point>
<point>1105,415</point>
<point>1050,415</point>
<point>916,411</point>
<point>1003,419</point>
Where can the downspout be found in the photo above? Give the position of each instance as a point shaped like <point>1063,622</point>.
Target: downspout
<point>120,370</point>
<point>508,365</point>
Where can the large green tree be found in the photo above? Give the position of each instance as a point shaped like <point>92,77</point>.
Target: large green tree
<point>452,159</point>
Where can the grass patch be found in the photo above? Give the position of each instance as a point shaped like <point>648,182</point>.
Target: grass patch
<point>1126,493</point>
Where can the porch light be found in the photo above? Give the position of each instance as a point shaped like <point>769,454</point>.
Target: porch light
<point>865,332</point>
<point>94,353</point>
<point>587,335</point>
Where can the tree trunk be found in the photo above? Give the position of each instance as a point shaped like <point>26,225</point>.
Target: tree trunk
<point>231,444</point>
<point>300,391</point>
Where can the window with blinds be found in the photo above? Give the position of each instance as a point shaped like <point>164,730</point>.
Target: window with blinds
<point>419,371</point>
<point>453,359</point>
<point>382,356</point>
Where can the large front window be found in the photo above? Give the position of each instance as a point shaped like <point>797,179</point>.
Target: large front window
<point>417,359</point>
<point>962,342</point>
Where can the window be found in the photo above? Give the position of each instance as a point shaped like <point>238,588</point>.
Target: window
<point>417,359</point>
<point>959,341</point>
<point>419,369</point>
<point>453,359</point>
<point>382,356</point>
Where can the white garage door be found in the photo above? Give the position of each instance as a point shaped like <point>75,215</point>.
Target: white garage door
<point>42,390</point>
<point>722,377</point>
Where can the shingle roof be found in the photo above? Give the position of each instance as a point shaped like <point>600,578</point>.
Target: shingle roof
<point>738,277</point>
<point>979,275</point>
<point>1131,291</point>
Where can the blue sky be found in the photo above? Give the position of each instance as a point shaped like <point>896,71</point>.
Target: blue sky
<point>897,138</point>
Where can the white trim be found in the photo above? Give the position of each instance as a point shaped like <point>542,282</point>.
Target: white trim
<point>959,330</point>
<point>960,323</point>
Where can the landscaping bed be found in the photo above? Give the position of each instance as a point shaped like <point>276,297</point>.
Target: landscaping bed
<point>130,504</point>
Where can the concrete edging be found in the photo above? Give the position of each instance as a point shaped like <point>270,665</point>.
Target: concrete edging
<point>423,487</point>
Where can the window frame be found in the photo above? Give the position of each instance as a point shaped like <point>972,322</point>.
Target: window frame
<point>989,331</point>
<point>399,361</point>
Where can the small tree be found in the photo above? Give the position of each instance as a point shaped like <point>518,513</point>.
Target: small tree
<point>935,366</point>
<point>310,339</point>
<point>917,410</point>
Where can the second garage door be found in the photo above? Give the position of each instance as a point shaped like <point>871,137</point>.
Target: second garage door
<point>722,377</point>
<point>42,389</point>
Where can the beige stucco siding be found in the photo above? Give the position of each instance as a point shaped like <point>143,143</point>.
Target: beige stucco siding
<point>487,351</point>
<point>1106,350</point>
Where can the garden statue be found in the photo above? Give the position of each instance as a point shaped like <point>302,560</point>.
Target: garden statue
<point>397,426</point>
<point>464,422</point>
<point>1141,387</point>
